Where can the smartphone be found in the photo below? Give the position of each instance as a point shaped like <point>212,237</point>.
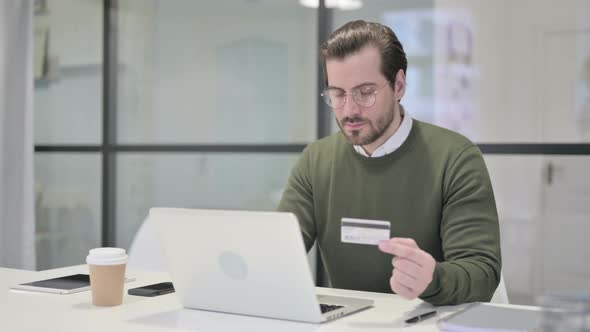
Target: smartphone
<point>152,290</point>
<point>62,285</point>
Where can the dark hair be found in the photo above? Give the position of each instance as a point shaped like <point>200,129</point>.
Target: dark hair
<point>354,35</point>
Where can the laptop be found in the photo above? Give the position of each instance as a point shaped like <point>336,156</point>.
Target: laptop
<point>244,262</point>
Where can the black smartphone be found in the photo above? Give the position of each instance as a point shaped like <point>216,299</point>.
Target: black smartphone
<point>152,290</point>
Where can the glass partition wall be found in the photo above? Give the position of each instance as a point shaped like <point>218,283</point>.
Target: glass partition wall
<point>208,104</point>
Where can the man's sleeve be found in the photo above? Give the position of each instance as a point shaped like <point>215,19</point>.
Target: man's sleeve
<point>298,198</point>
<point>470,235</point>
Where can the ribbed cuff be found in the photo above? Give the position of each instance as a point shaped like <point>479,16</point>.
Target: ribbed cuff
<point>434,287</point>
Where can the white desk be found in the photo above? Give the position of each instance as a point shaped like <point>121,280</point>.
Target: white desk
<point>28,311</point>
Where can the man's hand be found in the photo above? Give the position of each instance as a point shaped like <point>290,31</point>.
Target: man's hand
<point>413,267</point>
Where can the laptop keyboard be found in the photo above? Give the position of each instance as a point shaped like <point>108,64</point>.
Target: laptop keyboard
<point>327,307</point>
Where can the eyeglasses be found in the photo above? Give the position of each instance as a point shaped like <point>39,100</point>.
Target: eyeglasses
<point>363,96</point>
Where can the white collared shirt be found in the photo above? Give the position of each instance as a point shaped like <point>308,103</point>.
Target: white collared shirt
<point>394,142</point>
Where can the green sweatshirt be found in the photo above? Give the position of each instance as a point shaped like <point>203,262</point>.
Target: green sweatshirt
<point>434,188</point>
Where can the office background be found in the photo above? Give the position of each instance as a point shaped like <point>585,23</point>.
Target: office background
<point>140,103</point>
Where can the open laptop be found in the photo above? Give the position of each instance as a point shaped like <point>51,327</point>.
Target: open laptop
<point>244,262</point>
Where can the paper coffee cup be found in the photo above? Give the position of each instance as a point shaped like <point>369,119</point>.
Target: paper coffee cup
<point>107,275</point>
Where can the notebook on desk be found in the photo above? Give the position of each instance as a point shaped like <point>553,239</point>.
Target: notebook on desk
<point>484,317</point>
<point>244,262</point>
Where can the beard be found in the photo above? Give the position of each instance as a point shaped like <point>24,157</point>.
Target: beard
<point>373,130</point>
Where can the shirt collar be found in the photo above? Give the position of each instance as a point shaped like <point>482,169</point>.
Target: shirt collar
<point>392,143</point>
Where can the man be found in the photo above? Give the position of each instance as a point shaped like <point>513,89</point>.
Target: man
<point>430,183</point>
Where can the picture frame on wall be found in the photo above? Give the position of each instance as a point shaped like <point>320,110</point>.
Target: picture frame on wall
<point>39,7</point>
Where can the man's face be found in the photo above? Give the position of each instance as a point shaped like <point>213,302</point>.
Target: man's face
<point>363,125</point>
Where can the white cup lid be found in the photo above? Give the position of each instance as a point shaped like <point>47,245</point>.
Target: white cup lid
<point>106,256</point>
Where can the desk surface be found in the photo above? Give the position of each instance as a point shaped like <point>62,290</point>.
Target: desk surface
<point>30,311</point>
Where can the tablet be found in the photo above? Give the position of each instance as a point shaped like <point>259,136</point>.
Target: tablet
<point>62,285</point>
<point>483,317</point>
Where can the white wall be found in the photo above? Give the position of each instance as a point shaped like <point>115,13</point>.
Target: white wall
<point>527,52</point>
